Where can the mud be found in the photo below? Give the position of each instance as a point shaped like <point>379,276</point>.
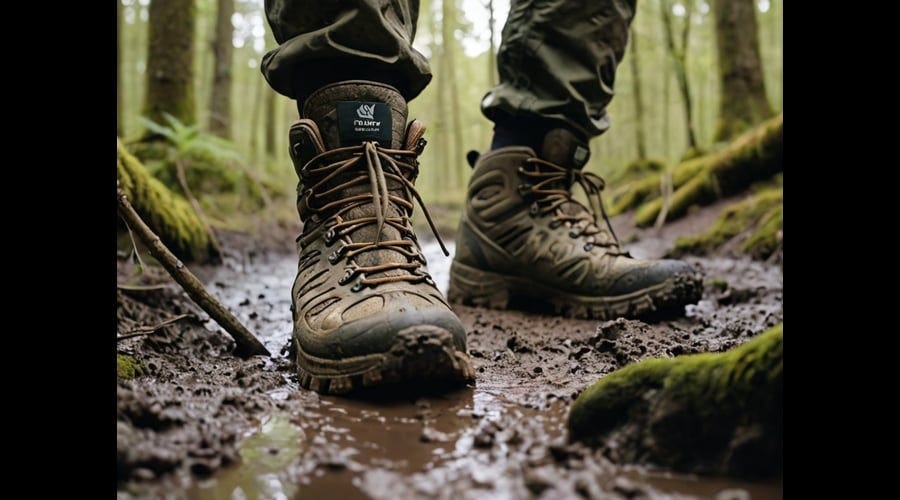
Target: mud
<point>201,424</point>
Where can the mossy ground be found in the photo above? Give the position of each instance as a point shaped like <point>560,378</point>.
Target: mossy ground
<point>751,227</point>
<point>718,413</point>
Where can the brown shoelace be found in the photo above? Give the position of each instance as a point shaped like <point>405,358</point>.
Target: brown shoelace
<point>375,166</point>
<point>549,187</point>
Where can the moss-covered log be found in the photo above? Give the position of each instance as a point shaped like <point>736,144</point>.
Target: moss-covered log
<point>752,157</point>
<point>712,413</point>
<point>751,227</point>
<point>168,214</point>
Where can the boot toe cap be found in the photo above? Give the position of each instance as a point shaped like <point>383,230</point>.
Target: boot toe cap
<point>371,325</point>
<point>652,273</point>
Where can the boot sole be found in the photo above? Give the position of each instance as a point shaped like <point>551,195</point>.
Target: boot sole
<point>474,287</point>
<point>422,358</point>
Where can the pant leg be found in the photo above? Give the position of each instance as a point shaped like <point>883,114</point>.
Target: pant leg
<point>557,62</point>
<point>323,42</point>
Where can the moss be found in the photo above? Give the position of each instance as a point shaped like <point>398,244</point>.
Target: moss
<point>169,215</point>
<point>767,237</point>
<point>758,220</point>
<point>127,367</point>
<point>719,283</point>
<point>692,153</point>
<point>644,166</point>
<point>633,193</point>
<point>715,413</point>
<point>698,190</point>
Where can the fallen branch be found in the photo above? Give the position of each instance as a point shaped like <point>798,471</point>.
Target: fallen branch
<point>247,344</point>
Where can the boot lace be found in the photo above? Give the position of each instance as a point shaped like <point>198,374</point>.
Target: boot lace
<point>331,177</point>
<point>549,188</point>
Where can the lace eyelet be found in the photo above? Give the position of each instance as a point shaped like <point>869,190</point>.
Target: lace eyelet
<point>555,224</point>
<point>524,190</point>
<point>588,246</point>
<point>534,210</point>
<point>357,286</point>
<point>336,255</point>
<point>574,234</point>
<point>330,236</point>
<point>348,275</point>
<point>427,277</point>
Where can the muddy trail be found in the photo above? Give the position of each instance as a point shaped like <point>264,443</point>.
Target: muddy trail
<point>199,423</point>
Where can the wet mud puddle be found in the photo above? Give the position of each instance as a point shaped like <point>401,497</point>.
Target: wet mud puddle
<point>502,438</point>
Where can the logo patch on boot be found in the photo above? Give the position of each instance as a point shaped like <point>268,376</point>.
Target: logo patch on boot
<point>364,121</point>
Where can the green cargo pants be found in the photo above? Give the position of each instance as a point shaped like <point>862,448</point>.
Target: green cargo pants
<point>557,60</point>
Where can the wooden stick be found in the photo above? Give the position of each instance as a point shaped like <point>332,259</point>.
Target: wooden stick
<point>145,330</point>
<point>247,344</point>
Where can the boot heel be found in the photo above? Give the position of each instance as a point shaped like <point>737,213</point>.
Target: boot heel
<point>474,287</point>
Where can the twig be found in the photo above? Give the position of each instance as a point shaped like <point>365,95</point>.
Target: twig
<point>141,288</point>
<point>666,188</point>
<point>134,250</point>
<point>247,344</point>
<point>182,179</point>
<point>145,330</point>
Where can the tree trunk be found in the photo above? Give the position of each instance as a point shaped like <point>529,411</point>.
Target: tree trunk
<point>492,55</point>
<point>448,26</point>
<point>170,61</point>
<point>223,49</point>
<point>679,58</point>
<point>638,100</point>
<point>258,98</point>
<point>119,98</point>
<point>271,121</point>
<point>744,102</point>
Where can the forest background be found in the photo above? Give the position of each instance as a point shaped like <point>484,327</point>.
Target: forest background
<point>667,104</point>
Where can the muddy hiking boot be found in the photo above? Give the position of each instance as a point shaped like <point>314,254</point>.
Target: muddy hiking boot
<point>525,242</point>
<point>366,311</point>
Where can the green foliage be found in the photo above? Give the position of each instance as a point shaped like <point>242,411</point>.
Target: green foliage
<point>712,412</point>
<point>211,164</point>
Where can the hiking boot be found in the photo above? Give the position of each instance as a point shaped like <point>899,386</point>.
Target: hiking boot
<point>366,311</point>
<point>524,242</point>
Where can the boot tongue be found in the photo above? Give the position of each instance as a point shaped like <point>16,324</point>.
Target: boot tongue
<point>351,112</point>
<point>565,149</point>
<point>347,114</point>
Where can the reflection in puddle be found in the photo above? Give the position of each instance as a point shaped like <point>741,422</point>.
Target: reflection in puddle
<point>265,453</point>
